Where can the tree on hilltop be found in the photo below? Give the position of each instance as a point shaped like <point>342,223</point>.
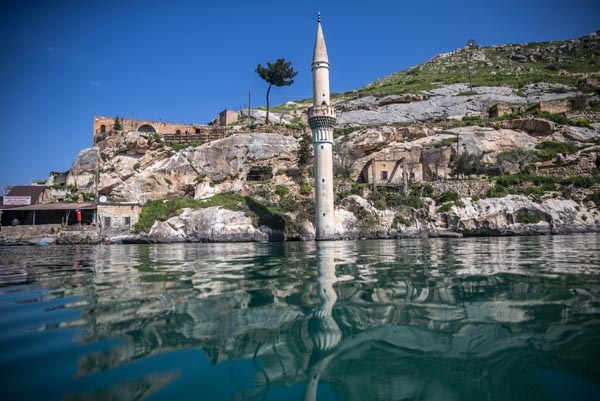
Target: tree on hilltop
<point>279,73</point>
<point>117,126</point>
<point>469,47</point>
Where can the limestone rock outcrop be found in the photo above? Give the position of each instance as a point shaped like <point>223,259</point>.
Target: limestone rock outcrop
<point>236,155</point>
<point>84,168</point>
<point>135,170</point>
<point>442,103</point>
<point>518,215</point>
<point>213,224</point>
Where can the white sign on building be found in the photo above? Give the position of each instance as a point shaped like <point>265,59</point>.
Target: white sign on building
<point>17,200</point>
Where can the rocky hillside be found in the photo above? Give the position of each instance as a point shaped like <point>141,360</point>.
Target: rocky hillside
<point>486,141</point>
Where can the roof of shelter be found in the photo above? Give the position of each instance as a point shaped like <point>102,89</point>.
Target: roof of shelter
<point>51,206</point>
<point>27,190</point>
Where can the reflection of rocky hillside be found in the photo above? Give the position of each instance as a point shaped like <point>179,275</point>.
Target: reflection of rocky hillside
<point>396,141</point>
<point>326,316</point>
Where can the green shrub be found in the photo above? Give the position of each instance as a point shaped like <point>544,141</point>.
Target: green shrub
<point>497,191</point>
<point>528,218</point>
<point>471,120</point>
<point>548,150</point>
<point>287,203</point>
<point>282,190</point>
<point>562,119</point>
<point>446,207</point>
<point>137,166</point>
<point>414,201</point>
<point>469,163</point>
<point>177,146</point>
<point>428,190</point>
<point>448,196</point>
<point>594,197</point>
<point>548,187</point>
<point>380,204</point>
<point>399,219</point>
<point>154,137</point>
<point>305,189</point>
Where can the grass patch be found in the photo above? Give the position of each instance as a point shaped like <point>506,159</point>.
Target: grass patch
<point>548,150</point>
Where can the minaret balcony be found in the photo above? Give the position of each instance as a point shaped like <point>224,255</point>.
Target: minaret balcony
<point>321,117</point>
<point>321,110</point>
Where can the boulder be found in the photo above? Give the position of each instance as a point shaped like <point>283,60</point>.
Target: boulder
<point>212,224</point>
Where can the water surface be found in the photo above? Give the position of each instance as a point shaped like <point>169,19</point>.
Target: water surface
<point>437,319</point>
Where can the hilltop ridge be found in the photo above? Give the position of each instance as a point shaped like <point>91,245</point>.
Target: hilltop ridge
<point>566,62</point>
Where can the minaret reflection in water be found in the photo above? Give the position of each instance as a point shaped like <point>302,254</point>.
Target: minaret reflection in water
<point>324,331</point>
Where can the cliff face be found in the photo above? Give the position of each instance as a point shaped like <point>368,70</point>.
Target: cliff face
<point>420,130</point>
<point>258,165</point>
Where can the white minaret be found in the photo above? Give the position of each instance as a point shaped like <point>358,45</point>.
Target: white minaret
<point>321,118</point>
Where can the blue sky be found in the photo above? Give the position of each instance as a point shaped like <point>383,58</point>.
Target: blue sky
<point>62,62</point>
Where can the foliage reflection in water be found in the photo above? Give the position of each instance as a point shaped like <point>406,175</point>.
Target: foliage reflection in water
<point>469,319</point>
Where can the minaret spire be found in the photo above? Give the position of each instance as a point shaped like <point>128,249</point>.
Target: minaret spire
<point>322,120</point>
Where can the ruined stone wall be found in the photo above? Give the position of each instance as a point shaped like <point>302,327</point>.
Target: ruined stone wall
<point>160,127</point>
<point>465,188</point>
<point>555,107</point>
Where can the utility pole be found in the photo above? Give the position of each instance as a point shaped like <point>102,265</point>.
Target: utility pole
<point>457,149</point>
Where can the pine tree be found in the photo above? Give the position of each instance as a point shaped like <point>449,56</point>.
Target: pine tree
<point>279,73</point>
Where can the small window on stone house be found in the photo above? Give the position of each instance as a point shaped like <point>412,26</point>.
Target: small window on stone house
<point>103,128</point>
<point>384,175</point>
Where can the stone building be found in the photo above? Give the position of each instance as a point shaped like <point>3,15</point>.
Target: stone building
<point>554,107</point>
<point>401,167</point>
<point>502,109</point>
<point>227,117</point>
<point>118,216</point>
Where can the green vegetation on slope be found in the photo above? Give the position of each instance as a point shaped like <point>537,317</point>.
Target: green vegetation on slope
<point>261,214</point>
<point>507,65</point>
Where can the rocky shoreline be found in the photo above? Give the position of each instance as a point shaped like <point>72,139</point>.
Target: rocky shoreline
<point>512,215</point>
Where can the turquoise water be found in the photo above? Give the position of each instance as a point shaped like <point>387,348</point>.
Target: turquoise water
<point>437,319</point>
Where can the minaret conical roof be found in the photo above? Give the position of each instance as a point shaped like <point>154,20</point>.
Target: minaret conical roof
<point>320,51</point>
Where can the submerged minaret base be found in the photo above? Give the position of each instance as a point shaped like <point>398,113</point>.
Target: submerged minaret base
<point>322,120</point>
